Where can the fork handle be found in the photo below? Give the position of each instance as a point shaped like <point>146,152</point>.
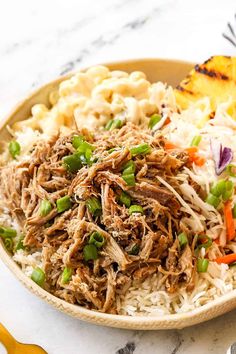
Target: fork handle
<point>7,340</point>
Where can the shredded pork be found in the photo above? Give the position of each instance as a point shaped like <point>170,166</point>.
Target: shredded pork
<point>62,236</point>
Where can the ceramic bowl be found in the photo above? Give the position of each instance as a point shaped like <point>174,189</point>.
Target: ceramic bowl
<point>172,72</point>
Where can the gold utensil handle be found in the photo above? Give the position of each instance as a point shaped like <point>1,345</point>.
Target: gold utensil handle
<point>7,340</point>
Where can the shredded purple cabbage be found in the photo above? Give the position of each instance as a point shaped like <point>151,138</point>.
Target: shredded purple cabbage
<point>222,156</point>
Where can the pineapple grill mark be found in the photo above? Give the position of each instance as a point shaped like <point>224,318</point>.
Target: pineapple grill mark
<point>212,115</point>
<point>211,73</point>
<point>182,89</point>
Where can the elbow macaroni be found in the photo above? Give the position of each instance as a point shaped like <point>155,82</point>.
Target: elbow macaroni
<point>94,97</point>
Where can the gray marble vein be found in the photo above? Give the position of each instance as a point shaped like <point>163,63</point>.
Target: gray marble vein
<point>110,38</point>
<point>129,348</point>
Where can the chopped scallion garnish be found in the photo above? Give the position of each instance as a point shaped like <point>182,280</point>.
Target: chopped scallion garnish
<point>66,275</point>
<point>111,150</point>
<point>205,241</point>
<point>154,119</point>
<point>129,179</point>
<point>77,140</point>
<point>227,194</point>
<point>84,147</point>
<point>141,149</point>
<point>63,204</point>
<point>8,242</point>
<point>202,265</point>
<point>125,199</point>
<point>96,239</point>
<point>14,148</point>
<point>213,200</point>
<point>114,124</point>
<point>108,125</point>
<point>90,252</point>
<point>196,140</point>
<point>136,209</point>
<point>7,232</point>
<point>134,250</point>
<point>94,206</point>
<point>20,245</point>
<point>38,276</point>
<point>45,207</point>
<point>183,239</point>
<point>128,168</point>
<point>219,188</point>
<point>72,162</point>
<point>231,169</point>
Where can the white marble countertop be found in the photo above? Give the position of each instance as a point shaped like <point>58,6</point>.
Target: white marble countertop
<point>43,39</point>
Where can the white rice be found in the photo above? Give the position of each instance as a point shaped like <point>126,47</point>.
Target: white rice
<point>82,98</point>
<point>149,297</point>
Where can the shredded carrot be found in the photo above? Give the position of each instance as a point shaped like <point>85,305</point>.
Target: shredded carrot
<point>167,121</point>
<point>229,258</point>
<point>194,157</point>
<point>169,145</point>
<point>229,221</point>
<point>217,241</point>
<point>199,160</point>
<point>191,150</point>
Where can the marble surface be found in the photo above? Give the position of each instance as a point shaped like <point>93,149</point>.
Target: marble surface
<point>43,39</point>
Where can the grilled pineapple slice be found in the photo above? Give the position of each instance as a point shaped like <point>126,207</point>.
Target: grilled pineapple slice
<point>215,79</point>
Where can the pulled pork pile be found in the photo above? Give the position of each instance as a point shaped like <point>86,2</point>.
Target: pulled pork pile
<point>136,244</point>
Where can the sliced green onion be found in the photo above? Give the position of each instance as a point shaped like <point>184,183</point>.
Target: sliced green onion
<point>125,199</point>
<point>141,149</point>
<point>94,206</point>
<point>90,252</point>
<point>111,150</point>
<point>20,244</point>
<point>196,140</point>
<point>219,188</point>
<point>129,179</point>
<point>154,119</point>
<point>45,207</point>
<point>7,232</point>
<point>212,200</point>
<point>84,146</point>
<point>72,162</point>
<point>77,141</point>
<point>134,250</point>
<point>108,125</point>
<point>14,148</point>
<point>229,190</point>
<point>202,265</point>
<point>63,204</point>
<point>96,239</point>
<point>231,169</point>
<point>234,211</point>
<point>38,276</point>
<point>86,159</point>
<point>8,242</point>
<point>114,124</point>
<point>136,209</point>
<point>66,275</point>
<point>183,239</point>
<point>129,168</point>
<point>205,241</point>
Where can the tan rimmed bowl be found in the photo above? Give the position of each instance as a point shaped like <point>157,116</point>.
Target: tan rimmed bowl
<point>169,71</point>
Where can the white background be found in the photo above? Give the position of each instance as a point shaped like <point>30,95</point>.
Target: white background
<point>41,39</point>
